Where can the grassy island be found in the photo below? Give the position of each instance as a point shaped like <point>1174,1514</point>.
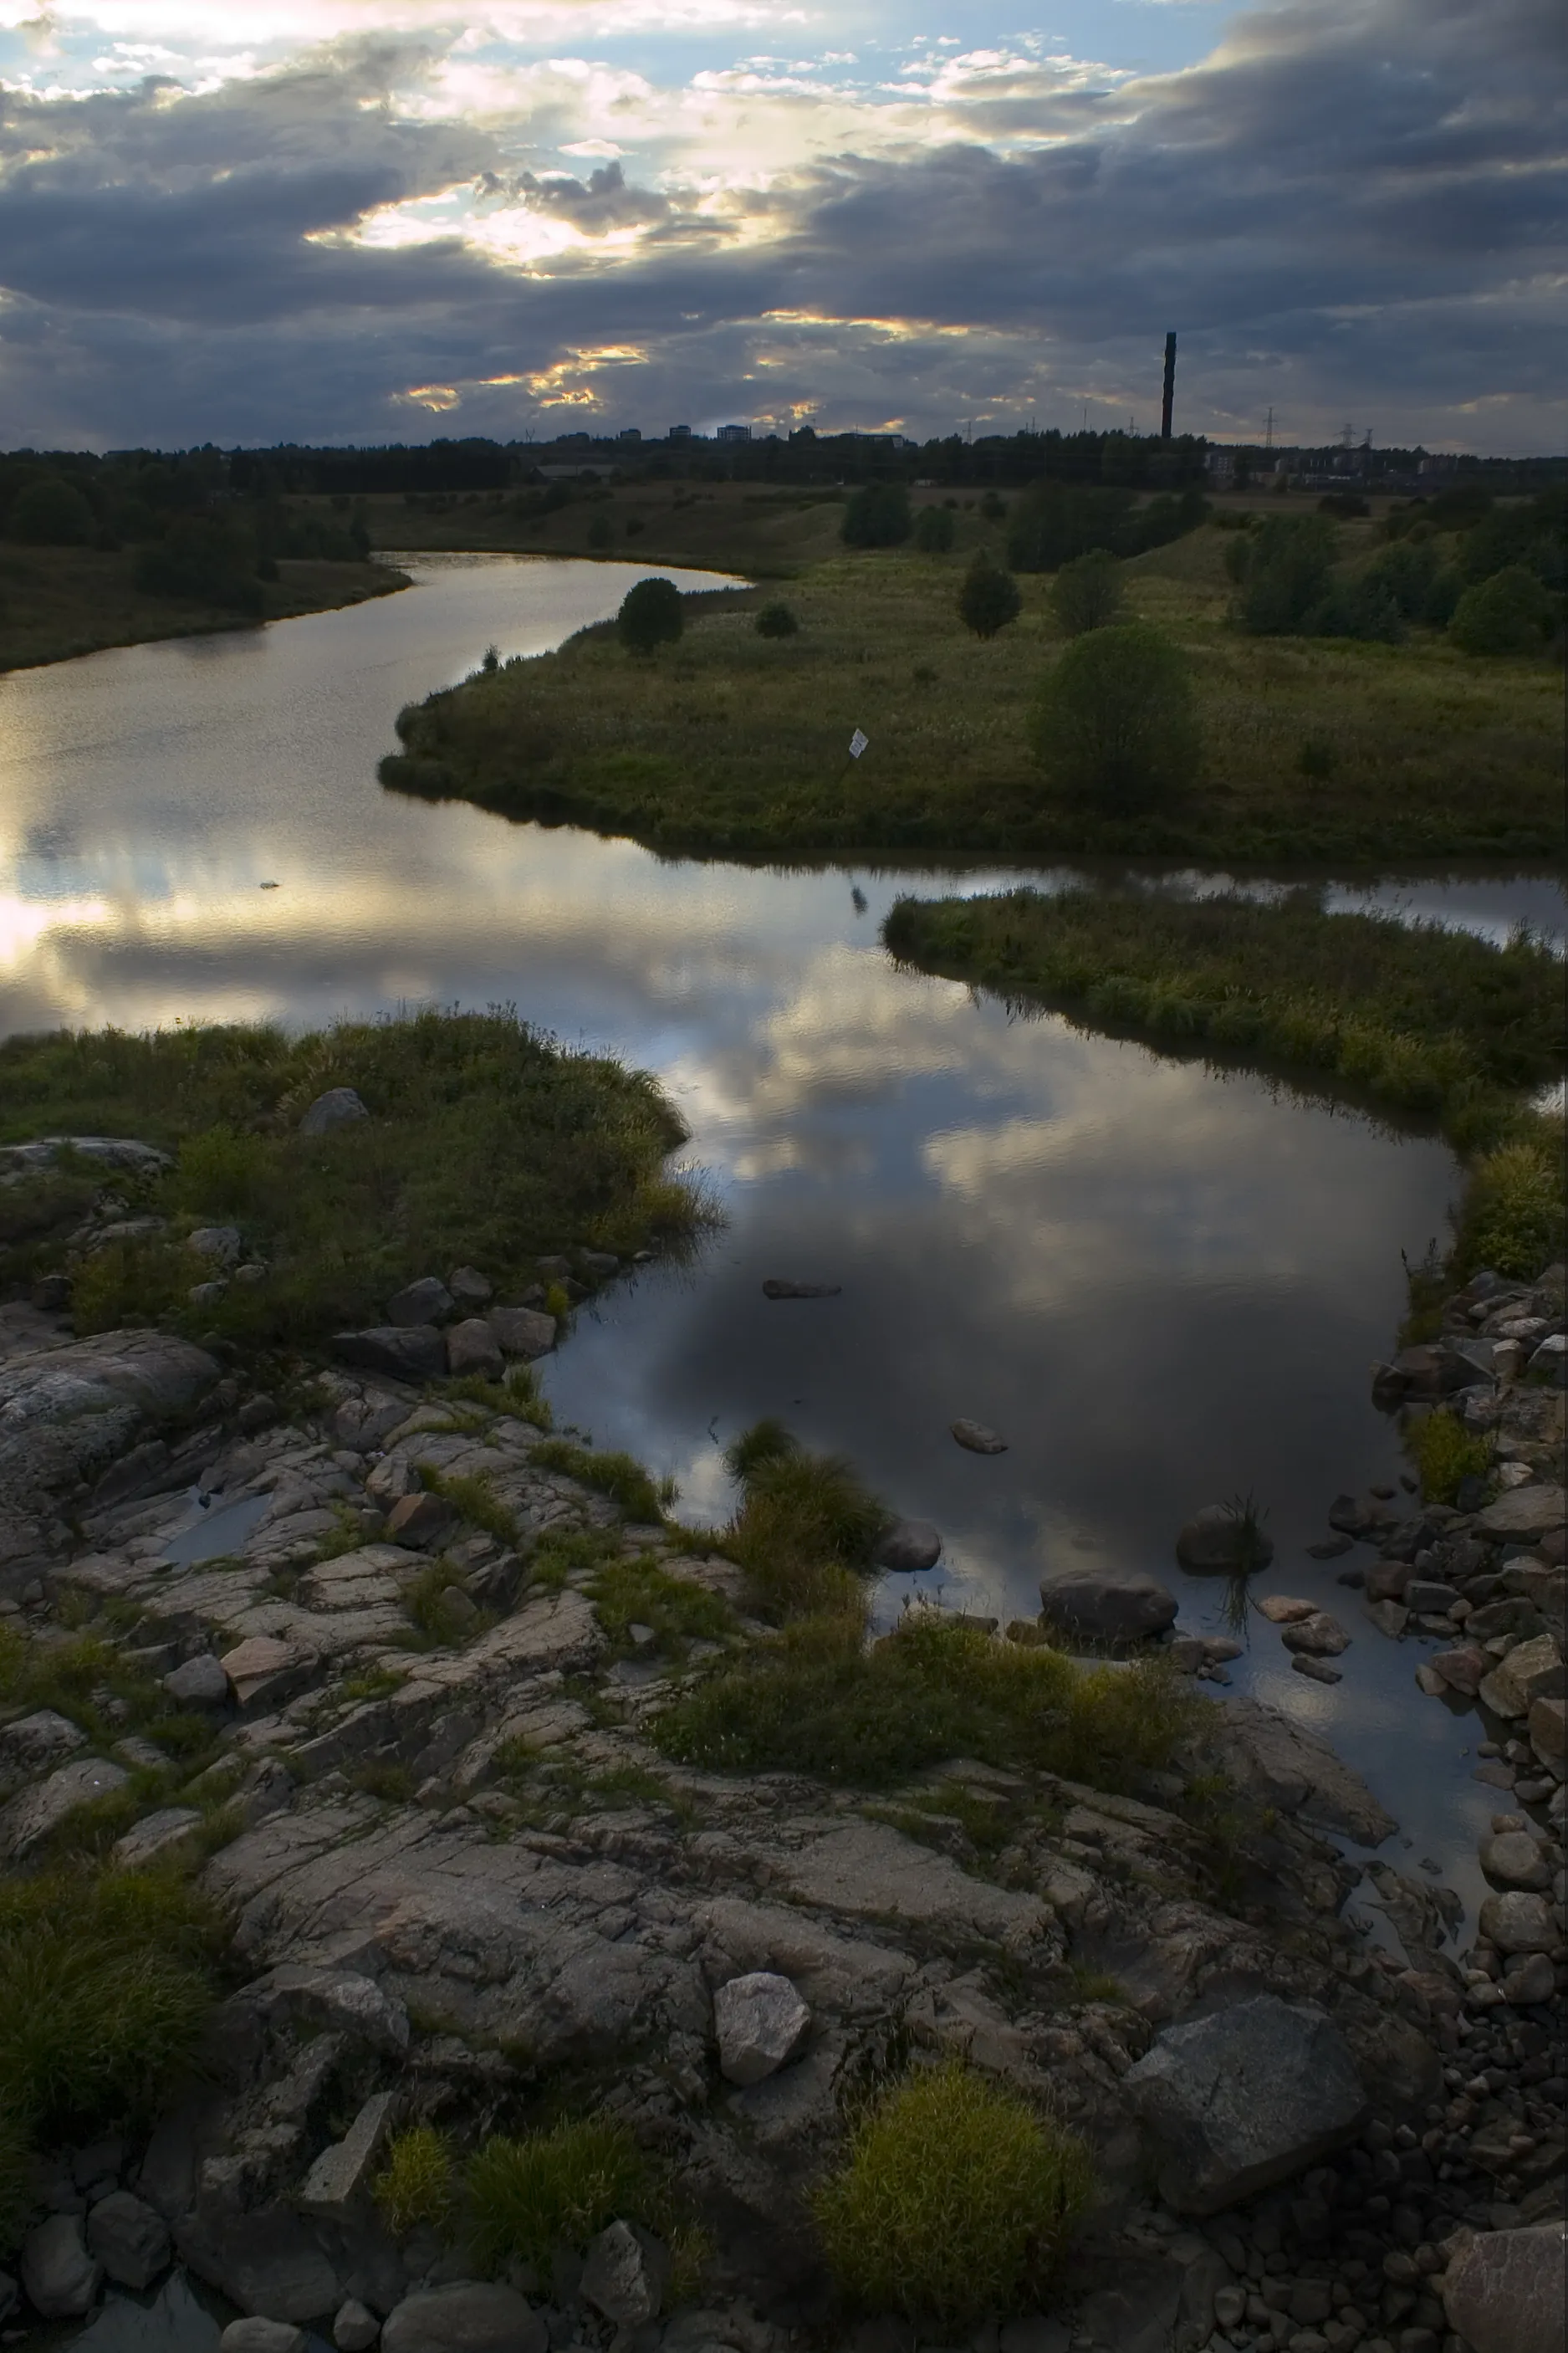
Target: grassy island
<point>57,602</point>
<point>484,1144</point>
<point>1413,1018</point>
<point>734,742</point>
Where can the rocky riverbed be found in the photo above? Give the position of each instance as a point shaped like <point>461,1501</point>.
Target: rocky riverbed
<point>463,1876</point>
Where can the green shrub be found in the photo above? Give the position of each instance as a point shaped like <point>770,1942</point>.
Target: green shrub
<point>651,614</point>
<point>1363,609</point>
<point>954,2201</point>
<point>1445,1453</point>
<point>989,598</point>
<point>1510,612</point>
<point>1406,572</point>
<point>1116,723</point>
<point>806,1526</point>
<point>1284,571</point>
<point>1514,1212</point>
<point>526,2198</point>
<point>876,515</point>
<point>934,530</point>
<point>105,1987</point>
<point>600,532</point>
<point>417,2183</point>
<point>776,620</point>
<point>1054,522</point>
<point>1087,593</point>
<point>816,1700</point>
<point>205,559</point>
<point>50,512</point>
<point>221,1174</point>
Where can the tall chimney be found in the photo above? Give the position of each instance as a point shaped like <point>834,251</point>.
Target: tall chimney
<point>1169,399</point>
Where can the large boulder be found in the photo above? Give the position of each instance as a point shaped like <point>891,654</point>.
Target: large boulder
<point>425,1301</point>
<point>1507,2291</point>
<point>624,2276</point>
<point>1524,1514</point>
<point>67,1412</point>
<point>128,2239</point>
<point>20,1160</point>
<point>1517,1922</point>
<point>1246,2098</point>
<point>466,2316</point>
<point>1292,1768</point>
<point>414,1352</point>
<point>525,1332</point>
<point>1221,1541</point>
<point>906,1546</point>
<point>339,1107</point>
<point>760,2024</point>
<point>60,2276</point>
<point>1107,1605</point>
<point>472,1347</point>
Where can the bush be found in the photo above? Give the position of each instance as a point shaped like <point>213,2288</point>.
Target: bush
<point>1054,522</point>
<point>775,620</point>
<point>1087,593</point>
<point>806,1527</point>
<point>1116,723</point>
<point>989,597</point>
<point>204,559</point>
<point>1359,609</point>
<point>416,2185</point>
<point>953,2202</point>
<point>1284,571</point>
<point>934,528</point>
<point>1510,612</point>
<point>876,515</point>
<point>1407,574</point>
<point>50,512</point>
<point>600,532</point>
<point>1445,1454</point>
<point>1514,1212</point>
<point>651,614</point>
<point>550,2189</point>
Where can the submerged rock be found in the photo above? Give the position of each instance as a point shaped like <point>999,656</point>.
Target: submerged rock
<point>906,1546</point>
<point>1108,1605</point>
<point>1222,1541</point>
<point>977,1439</point>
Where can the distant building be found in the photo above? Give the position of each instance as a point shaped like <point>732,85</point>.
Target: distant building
<point>734,433</point>
<point>631,433</point>
<point>575,473</point>
<point>680,433</point>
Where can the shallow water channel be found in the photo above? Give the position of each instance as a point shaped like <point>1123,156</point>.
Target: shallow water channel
<point>1161,1283</point>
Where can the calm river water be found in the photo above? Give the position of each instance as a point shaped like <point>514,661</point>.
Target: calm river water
<point>1163,1285</point>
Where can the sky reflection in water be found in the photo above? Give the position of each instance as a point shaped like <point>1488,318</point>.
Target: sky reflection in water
<point>1163,1284</point>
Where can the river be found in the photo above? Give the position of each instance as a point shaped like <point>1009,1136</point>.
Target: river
<point>1161,1283</point>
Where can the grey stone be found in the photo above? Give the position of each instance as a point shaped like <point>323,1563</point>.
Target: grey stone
<point>341,2177</point>
<point>467,2316</point>
<point>1429,1597</point>
<point>37,1741</point>
<point>472,1347</point>
<point>67,1412</point>
<point>221,1244</point>
<point>267,2261</point>
<point>906,1546</point>
<point>1513,1858</point>
<point>19,1160</point>
<point>1287,1765</point>
<point>425,1301</point>
<point>1107,1605</point>
<point>523,1331</point>
<point>1524,1513</point>
<point>129,2240</point>
<point>355,2329</point>
<point>257,2335</point>
<point>1317,1671</point>
<point>1319,1636</point>
<point>977,1438</point>
<point>625,2274</point>
<point>1219,1541</point>
<point>779,1287</point>
<point>60,2277</point>
<point>1246,2098</point>
<point>37,1813</point>
<point>1518,1922</point>
<point>1529,1977</point>
<point>470,1288</point>
<point>1505,2291</point>
<point>156,1838</point>
<point>761,2023</point>
<point>10,2296</point>
<point>199,1683</point>
<point>403,1353</point>
<point>339,1107</point>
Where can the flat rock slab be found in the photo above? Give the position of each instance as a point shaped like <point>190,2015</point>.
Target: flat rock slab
<point>1524,1513</point>
<point>1507,2291</point>
<point>1244,2098</point>
<point>1288,1767</point>
<point>37,1812</point>
<point>19,1160</point>
<point>977,1438</point>
<point>67,1412</point>
<point>872,1871</point>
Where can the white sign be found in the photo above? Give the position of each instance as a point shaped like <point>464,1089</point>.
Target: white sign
<point>858,744</point>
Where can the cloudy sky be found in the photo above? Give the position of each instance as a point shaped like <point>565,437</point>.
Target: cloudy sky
<point>384,219</point>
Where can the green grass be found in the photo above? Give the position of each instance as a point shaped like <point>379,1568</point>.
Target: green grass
<point>474,1499</point>
<point>1413,1018</point>
<point>816,1700</point>
<point>734,744</point>
<point>953,2202</point>
<point>639,1592</point>
<point>553,2189</point>
<point>1445,1453</point>
<point>805,1527</point>
<point>619,1476</point>
<point>106,1983</point>
<point>417,2183</point>
<point>564,1553</point>
<point>486,1143</point>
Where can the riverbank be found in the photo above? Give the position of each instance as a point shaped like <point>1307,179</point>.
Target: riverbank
<point>736,743</point>
<point>58,602</point>
<point>1421,1020</point>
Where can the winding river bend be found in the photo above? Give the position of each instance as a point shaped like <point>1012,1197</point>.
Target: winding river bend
<point>1163,1284</point>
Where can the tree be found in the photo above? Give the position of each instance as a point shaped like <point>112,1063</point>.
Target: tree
<point>934,531</point>
<point>989,597</point>
<point>876,515</point>
<point>1087,593</point>
<point>1116,723</point>
<point>1510,612</point>
<point>651,614</point>
<point>775,620</point>
<point>50,513</point>
<point>1287,572</point>
<point>204,558</point>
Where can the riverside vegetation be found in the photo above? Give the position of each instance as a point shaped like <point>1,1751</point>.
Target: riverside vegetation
<point>1304,746</point>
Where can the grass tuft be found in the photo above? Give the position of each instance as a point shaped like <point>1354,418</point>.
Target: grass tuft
<point>1444,1454</point>
<point>640,1592</point>
<point>953,2202</point>
<point>805,1529</point>
<point>417,2183</point>
<point>558,2188</point>
<point>619,1476</point>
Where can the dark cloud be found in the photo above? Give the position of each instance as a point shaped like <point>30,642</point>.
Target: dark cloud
<point>1345,208</point>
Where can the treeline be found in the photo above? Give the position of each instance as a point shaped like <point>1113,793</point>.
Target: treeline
<point>194,534</point>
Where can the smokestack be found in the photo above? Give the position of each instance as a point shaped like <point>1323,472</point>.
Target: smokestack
<point>1167,403</point>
